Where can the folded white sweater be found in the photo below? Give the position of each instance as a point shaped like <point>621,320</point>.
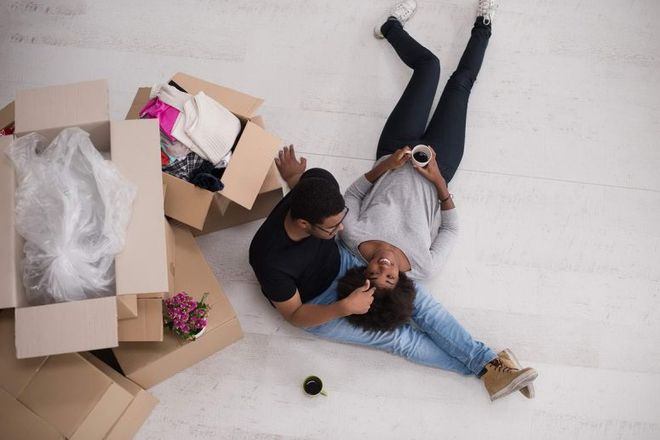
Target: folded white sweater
<point>207,128</point>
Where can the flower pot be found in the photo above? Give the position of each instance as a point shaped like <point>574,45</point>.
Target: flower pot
<point>198,334</point>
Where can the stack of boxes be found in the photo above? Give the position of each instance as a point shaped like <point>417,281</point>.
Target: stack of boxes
<point>49,386</point>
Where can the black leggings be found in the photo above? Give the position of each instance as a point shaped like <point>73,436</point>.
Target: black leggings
<point>445,133</point>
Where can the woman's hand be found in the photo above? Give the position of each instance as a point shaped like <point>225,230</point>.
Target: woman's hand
<point>432,173</point>
<point>394,161</point>
<point>398,158</point>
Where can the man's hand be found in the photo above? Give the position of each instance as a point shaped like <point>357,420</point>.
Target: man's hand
<point>289,167</point>
<point>359,301</point>
<point>398,158</point>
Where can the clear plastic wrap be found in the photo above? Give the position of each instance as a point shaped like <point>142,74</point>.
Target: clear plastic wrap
<point>72,209</point>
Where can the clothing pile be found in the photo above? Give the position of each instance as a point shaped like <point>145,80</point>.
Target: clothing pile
<point>197,134</point>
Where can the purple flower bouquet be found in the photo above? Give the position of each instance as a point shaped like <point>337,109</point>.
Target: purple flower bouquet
<point>186,317</point>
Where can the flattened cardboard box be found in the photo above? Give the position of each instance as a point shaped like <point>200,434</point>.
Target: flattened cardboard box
<point>142,265</point>
<point>72,396</point>
<point>149,363</point>
<point>252,187</point>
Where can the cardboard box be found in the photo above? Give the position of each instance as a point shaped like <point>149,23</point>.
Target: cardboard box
<point>6,117</point>
<point>149,363</point>
<point>127,307</point>
<point>141,268</point>
<point>252,185</point>
<point>73,396</point>
<point>147,326</point>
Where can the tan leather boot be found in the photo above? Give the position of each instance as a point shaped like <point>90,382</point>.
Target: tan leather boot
<point>501,380</point>
<point>509,360</point>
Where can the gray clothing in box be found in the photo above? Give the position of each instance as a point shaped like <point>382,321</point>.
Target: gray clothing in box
<point>401,208</point>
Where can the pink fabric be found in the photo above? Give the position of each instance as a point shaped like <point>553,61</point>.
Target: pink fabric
<point>165,113</point>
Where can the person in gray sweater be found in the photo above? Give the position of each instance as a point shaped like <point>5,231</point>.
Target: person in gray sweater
<point>401,219</point>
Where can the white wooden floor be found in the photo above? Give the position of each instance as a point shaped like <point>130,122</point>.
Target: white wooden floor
<point>559,196</point>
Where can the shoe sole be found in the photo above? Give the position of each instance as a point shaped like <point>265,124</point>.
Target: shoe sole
<point>377,33</point>
<point>516,384</point>
<point>529,390</point>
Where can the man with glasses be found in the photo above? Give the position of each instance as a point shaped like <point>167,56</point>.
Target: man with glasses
<point>294,254</point>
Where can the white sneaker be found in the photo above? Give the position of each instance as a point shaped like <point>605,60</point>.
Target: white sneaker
<point>486,9</point>
<point>401,11</point>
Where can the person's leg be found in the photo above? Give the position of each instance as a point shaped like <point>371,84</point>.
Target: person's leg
<point>446,130</point>
<point>447,333</point>
<point>406,341</point>
<point>408,120</point>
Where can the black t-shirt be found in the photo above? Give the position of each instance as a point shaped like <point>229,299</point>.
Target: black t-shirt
<point>283,265</point>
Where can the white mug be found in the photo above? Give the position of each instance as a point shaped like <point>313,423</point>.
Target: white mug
<point>424,149</point>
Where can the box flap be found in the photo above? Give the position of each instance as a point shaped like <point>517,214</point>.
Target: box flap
<point>273,180</point>
<point>141,98</point>
<point>18,423</point>
<point>66,327</point>
<point>237,215</point>
<point>148,326</point>
<point>138,410</point>
<point>222,206</point>
<point>7,115</point>
<point>64,391</point>
<point>185,202</point>
<point>240,104</point>
<point>141,267</point>
<point>11,286</point>
<point>15,374</point>
<point>249,165</point>
<point>50,109</point>
<point>104,414</point>
<point>133,417</point>
<point>127,307</point>
<point>259,120</point>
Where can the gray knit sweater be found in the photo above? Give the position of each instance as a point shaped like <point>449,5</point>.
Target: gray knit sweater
<point>401,208</point>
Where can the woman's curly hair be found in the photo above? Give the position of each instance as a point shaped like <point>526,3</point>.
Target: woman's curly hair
<point>391,307</point>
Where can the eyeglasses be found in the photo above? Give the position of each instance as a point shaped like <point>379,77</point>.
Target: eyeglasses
<point>333,230</point>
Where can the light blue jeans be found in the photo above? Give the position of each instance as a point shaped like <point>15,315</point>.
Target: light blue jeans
<point>434,338</point>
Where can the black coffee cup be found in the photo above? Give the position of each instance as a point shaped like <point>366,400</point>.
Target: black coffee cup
<point>421,155</point>
<point>313,386</point>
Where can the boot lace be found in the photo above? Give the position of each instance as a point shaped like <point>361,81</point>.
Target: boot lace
<point>499,366</point>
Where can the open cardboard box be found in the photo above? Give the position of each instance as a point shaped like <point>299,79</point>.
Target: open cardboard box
<point>251,180</point>
<point>69,396</point>
<point>141,268</point>
<point>149,363</point>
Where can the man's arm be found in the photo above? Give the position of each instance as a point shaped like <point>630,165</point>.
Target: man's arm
<point>310,315</point>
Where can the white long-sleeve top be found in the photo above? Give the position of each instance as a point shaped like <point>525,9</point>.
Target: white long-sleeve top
<point>401,208</point>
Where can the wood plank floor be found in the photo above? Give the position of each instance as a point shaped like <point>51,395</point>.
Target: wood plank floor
<point>558,195</point>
